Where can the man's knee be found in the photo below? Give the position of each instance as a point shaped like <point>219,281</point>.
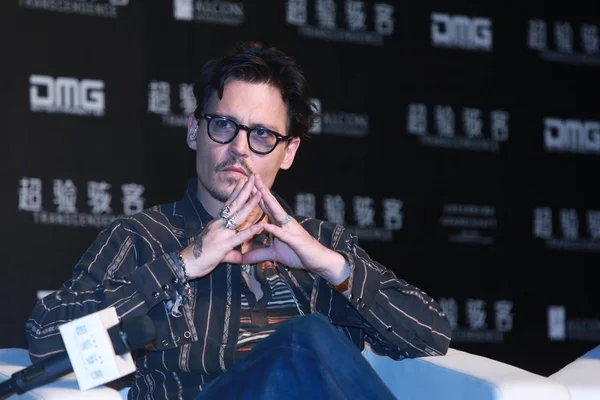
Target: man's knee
<point>313,326</point>
<point>317,336</point>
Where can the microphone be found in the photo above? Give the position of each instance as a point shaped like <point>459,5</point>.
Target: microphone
<point>129,335</point>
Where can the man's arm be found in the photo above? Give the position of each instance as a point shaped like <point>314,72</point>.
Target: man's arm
<point>399,319</point>
<point>109,273</point>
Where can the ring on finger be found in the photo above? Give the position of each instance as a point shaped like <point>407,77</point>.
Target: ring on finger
<point>286,219</point>
<point>226,212</point>
<point>230,223</point>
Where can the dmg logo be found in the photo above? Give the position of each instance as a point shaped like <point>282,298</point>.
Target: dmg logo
<point>571,135</point>
<point>66,95</point>
<point>461,31</point>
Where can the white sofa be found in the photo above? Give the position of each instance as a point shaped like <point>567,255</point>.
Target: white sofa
<point>582,376</point>
<point>457,375</point>
<point>464,376</point>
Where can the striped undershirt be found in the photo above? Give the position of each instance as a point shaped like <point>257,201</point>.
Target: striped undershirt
<point>260,318</point>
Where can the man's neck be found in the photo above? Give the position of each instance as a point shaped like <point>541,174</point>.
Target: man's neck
<point>210,204</point>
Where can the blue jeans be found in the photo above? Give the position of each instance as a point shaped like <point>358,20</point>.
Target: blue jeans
<point>307,358</point>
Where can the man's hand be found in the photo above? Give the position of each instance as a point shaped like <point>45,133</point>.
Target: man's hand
<point>216,243</point>
<point>293,245</point>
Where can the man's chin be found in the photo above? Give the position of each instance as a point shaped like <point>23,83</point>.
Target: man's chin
<point>231,181</point>
<point>222,193</point>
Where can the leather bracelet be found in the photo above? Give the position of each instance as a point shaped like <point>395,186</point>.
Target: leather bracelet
<point>342,287</point>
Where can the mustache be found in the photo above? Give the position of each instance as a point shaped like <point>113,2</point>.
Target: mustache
<point>232,162</point>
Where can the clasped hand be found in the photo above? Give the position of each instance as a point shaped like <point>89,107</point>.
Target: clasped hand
<point>292,246</point>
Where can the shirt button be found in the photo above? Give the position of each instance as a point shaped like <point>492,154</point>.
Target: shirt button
<point>390,328</point>
<point>174,281</point>
<point>165,287</point>
<point>155,294</point>
<point>187,334</point>
<point>359,300</point>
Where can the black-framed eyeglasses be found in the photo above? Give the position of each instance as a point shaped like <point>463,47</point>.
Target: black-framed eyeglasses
<point>260,140</point>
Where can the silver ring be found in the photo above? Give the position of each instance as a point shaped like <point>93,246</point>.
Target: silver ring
<point>225,212</point>
<point>230,223</point>
<point>286,219</point>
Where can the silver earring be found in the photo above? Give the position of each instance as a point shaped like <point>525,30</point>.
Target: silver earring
<point>194,133</point>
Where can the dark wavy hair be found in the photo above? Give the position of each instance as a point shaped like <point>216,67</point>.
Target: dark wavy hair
<point>258,62</point>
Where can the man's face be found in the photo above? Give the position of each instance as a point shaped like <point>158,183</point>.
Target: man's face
<point>221,166</point>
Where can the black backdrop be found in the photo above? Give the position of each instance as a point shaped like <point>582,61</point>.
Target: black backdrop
<point>475,127</point>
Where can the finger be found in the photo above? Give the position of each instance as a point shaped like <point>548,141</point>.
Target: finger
<point>279,233</point>
<point>264,208</point>
<point>276,211</point>
<point>233,257</point>
<point>242,214</point>
<point>259,255</point>
<point>236,190</point>
<point>260,184</point>
<point>243,195</point>
<point>244,235</point>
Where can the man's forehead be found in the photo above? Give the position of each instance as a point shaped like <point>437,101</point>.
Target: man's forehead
<point>263,116</point>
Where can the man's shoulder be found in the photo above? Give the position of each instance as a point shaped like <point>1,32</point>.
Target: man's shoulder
<point>158,216</point>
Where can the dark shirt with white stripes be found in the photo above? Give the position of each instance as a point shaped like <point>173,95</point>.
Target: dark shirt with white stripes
<point>132,266</point>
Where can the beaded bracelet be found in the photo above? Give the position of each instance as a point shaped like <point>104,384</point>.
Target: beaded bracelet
<point>187,288</point>
<point>186,278</point>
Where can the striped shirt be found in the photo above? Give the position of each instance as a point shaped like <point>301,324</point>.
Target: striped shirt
<point>132,266</point>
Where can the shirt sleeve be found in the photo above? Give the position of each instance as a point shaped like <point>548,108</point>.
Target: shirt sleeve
<point>398,319</point>
<point>109,274</point>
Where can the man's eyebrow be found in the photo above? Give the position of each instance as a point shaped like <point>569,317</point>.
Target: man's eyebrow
<point>270,127</point>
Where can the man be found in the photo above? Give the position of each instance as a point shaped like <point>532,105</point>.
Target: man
<point>247,299</point>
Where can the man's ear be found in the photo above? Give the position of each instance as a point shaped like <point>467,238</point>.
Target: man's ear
<point>290,153</point>
<point>192,131</point>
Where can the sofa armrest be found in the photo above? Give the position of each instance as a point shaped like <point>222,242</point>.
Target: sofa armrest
<point>461,375</point>
<point>582,376</point>
<point>65,388</point>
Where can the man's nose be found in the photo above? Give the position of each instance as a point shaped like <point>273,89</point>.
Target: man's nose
<point>239,146</point>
